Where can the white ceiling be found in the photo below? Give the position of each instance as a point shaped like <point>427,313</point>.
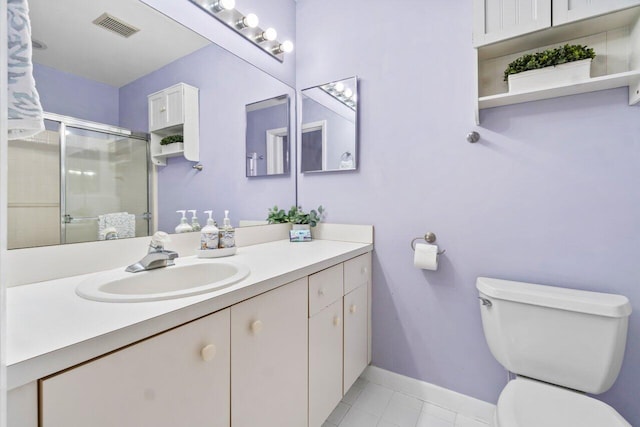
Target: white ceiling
<point>77,46</point>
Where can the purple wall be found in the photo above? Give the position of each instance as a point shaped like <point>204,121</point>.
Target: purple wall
<point>550,194</point>
<point>70,95</point>
<point>226,85</point>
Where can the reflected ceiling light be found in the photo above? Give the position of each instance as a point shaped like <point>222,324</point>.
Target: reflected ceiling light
<point>285,47</point>
<point>220,5</point>
<point>339,87</point>
<point>348,93</point>
<point>269,34</point>
<point>247,26</point>
<point>249,21</point>
<point>354,97</point>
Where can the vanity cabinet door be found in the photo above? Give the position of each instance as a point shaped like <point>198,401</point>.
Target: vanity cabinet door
<point>496,20</point>
<point>177,378</point>
<point>356,343</point>
<point>565,11</point>
<point>325,363</point>
<point>269,352</point>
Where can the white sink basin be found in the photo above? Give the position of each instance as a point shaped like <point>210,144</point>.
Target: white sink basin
<point>163,283</point>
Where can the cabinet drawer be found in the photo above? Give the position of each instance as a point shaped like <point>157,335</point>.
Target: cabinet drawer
<point>325,288</point>
<point>357,272</point>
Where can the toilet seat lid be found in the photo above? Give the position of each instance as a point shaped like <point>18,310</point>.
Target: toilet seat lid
<point>529,403</point>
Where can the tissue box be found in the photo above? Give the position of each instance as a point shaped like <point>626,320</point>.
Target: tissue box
<point>300,235</point>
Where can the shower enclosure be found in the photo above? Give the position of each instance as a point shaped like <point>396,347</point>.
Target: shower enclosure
<point>65,181</point>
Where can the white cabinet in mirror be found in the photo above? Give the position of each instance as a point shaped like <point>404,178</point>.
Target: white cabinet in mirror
<point>329,140</point>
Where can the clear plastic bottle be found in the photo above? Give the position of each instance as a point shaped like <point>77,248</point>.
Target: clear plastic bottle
<point>183,227</point>
<point>195,225</point>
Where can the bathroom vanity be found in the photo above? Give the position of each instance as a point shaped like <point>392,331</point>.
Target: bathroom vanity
<point>279,348</point>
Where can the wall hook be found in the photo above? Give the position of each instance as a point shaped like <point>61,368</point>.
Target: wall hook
<point>473,137</point>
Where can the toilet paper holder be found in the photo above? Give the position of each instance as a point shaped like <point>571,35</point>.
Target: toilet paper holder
<point>429,238</point>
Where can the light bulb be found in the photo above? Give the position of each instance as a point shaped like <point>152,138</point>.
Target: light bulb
<point>220,5</point>
<point>286,47</point>
<point>269,34</point>
<point>354,97</point>
<point>339,87</point>
<point>251,20</point>
<point>348,93</point>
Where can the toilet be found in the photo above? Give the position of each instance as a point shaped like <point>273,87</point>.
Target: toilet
<point>561,343</point>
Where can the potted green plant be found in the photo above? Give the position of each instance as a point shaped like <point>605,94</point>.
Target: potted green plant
<point>552,67</point>
<point>172,144</point>
<point>296,216</point>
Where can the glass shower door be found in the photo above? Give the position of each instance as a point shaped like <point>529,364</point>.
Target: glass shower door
<point>104,186</point>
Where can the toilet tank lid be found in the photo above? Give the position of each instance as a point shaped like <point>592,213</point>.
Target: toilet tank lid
<point>596,303</point>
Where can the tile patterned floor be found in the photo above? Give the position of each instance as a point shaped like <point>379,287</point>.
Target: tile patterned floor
<point>371,405</point>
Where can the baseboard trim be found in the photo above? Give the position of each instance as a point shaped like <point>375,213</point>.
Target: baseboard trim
<point>454,401</point>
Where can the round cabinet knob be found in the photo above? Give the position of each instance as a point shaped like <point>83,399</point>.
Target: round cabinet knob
<point>353,309</point>
<point>256,327</point>
<point>163,109</point>
<point>365,270</point>
<point>336,321</point>
<point>208,352</point>
<point>321,292</point>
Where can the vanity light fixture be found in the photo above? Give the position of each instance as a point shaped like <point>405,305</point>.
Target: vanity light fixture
<point>341,93</point>
<point>246,26</point>
<point>249,21</point>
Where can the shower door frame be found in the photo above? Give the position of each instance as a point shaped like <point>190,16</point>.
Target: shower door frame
<point>67,121</point>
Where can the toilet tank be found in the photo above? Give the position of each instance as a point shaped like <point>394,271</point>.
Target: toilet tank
<point>567,337</point>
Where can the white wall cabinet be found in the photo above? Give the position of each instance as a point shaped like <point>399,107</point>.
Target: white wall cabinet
<point>269,352</point>
<point>180,377</point>
<point>611,27</point>
<point>565,11</point>
<point>496,20</point>
<point>174,111</point>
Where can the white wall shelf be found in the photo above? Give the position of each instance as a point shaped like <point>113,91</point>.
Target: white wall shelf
<point>615,38</point>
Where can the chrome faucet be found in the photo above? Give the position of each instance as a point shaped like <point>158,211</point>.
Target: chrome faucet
<point>157,256</point>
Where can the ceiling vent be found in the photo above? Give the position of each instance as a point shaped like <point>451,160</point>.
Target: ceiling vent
<point>115,25</point>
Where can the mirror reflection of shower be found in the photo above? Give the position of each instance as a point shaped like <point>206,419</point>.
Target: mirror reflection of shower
<point>77,181</point>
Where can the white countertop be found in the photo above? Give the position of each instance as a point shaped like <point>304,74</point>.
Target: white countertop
<point>50,328</point>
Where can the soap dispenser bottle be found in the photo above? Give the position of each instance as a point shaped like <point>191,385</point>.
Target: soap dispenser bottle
<point>227,233</point>
<point>195,225</point>
<point>183,227</point>
<point>209,234</point>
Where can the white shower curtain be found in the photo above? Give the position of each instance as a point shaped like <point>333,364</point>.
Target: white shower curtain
<point>25,110</point>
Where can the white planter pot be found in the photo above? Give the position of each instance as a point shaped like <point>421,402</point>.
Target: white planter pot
<point>560,75</point>
<point>176,147</point>
<point>301,226</point>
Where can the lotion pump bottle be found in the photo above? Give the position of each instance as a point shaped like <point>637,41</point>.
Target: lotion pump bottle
<point>194,220</point>
<point>183,227</point>
<point>209,234</point>
<point>227,233</point>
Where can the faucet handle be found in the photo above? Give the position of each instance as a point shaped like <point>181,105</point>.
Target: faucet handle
<point>159,239</point>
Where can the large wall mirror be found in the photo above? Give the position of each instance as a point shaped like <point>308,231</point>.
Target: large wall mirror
<point>267,140</point>
<point>99,80</point>
<point>330,127</point>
